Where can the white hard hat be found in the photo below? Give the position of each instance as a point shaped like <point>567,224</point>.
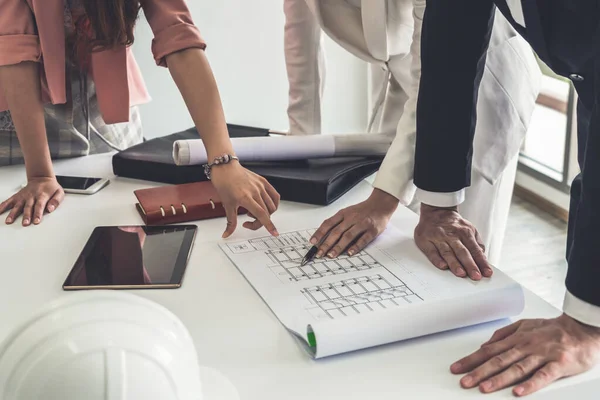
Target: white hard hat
<point>102,345</point>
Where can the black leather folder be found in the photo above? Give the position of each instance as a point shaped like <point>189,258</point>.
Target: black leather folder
<point>317,181</point>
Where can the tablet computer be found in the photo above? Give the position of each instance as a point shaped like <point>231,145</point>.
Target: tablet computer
<point>133,257</point>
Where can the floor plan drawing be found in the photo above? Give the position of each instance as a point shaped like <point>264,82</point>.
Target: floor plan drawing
<point>386,293</point>
<point>286,252</point>
<point>291,239</point>
<point>286,264</point>
<point>358,295</point>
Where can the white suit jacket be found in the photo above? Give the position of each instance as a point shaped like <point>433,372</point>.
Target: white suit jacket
<point>386,34</point>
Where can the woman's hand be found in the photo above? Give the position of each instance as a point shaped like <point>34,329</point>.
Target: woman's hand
<point>239,187</point>
<point>355,226</point>
<point>40,194</point>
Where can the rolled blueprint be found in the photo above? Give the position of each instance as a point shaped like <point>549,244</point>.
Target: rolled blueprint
<point>192,152</point>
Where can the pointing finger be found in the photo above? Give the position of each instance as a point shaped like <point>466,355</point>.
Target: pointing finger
<point>262,215</point>
<point>231,213</point>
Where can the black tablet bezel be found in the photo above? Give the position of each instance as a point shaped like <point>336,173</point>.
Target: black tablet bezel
<point>181,262</point>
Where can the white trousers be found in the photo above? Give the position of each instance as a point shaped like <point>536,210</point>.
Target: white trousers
<point>486,205</point>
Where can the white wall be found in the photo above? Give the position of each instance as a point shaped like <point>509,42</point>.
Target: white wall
<point>245,49</point>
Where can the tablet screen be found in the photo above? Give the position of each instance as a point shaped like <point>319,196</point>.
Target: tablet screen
<point>130,257</point>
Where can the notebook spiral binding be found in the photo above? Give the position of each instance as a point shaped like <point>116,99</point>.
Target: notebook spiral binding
<point>164,214</point>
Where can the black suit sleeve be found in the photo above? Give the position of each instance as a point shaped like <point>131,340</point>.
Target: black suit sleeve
<point>583,255</point>
<point>455,38</point>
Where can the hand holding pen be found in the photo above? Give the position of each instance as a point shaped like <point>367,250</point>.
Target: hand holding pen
<point>353,228</point>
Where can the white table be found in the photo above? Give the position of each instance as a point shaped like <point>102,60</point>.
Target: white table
<point>234,331</point>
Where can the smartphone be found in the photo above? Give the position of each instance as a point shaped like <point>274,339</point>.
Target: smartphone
<point>80,184</point>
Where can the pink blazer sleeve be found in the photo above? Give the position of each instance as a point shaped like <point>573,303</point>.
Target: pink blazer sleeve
<point>18,37</point>
<point>173,28</point>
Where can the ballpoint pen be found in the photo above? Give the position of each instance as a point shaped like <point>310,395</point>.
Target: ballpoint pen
<point>310,255</point>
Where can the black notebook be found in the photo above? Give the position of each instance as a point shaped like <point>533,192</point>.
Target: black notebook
<point>317,181</point>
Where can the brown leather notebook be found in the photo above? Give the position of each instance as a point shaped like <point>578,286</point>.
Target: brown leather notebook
<point>180,203</point>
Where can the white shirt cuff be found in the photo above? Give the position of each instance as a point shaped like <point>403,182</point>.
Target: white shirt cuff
<point>582,311</point>
<point>437,199</point>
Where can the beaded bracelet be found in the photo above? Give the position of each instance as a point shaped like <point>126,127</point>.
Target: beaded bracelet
<point>224,159</point>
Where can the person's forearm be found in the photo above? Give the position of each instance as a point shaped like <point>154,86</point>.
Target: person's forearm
<point>21,85</point>
<point>453,55</point>
<point>384,200</point>
<point>194,78</point>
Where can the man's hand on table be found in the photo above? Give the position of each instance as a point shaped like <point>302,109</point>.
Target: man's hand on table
<point>451,242</point>
<point>532,354</point>
<point>40,195</point>
<point>353,228</point>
